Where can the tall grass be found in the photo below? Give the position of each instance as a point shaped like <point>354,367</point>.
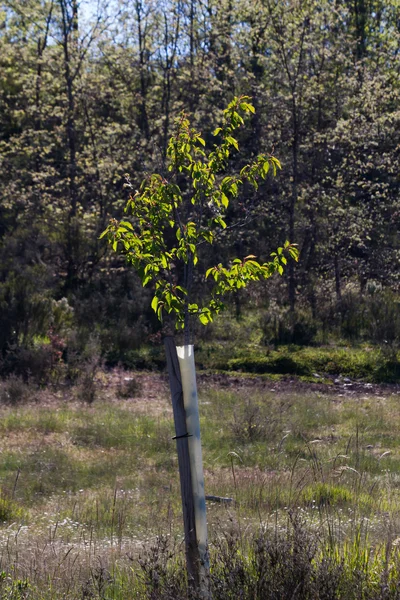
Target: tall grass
<point>90,503</point>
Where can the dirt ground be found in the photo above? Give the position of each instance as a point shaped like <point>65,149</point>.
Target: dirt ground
<point>152,391</point>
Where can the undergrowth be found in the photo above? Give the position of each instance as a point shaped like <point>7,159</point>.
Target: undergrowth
<point>365,363</point>
<point>368,364</point>
<point>90,500</point>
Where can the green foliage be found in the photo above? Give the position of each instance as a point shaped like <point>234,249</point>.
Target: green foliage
<point>190,213</point>
<point>367,364</point>
<point>9,509</point>
<point>18,589</point>
<point>87,98</point>
<point>323,494</point>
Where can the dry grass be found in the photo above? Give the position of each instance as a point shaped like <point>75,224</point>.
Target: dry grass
<point>87,487</point>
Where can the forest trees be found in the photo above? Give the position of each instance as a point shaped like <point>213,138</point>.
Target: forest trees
<point>87,97</point>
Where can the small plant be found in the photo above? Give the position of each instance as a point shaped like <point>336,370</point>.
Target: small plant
<point>9,509</point>
<point>15,391</point>
<point>129,388</point>
<point>251,424</point>
<point>161,573</point>
<point>87,389</point>
<point>88,370</point>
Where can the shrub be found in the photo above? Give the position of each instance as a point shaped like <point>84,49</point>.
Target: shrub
<point>14,391</point>
<point>286,562</point>
<point>273,363</point>
<point>129,388</point>
<point>279,327</point>
<point>250,424</point>
<point>9,510</point>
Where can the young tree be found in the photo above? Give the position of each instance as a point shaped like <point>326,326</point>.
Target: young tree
<point>175,216</point>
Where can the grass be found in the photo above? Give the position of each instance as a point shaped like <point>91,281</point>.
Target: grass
<point>310,363</point>
<point>90,504</point>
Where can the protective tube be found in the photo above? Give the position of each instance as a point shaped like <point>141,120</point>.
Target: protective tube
<point>190,400</point>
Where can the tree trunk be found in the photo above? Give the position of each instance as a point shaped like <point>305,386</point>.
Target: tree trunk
<point>144,120</point>
<point>69,34</point>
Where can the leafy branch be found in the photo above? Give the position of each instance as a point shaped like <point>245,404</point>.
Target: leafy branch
<point>172,218</point>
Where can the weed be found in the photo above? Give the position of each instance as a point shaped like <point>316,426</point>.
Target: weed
<point>9,510</point>
<point>324,494</point>
<point>15,391</point>
<point>251,424</point>
<point>162,574</point>
<point>129,387</point>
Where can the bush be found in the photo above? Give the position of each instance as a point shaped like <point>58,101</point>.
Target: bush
<point>273,363</point>
<point>129,388</point>
<point>279,327</point>
<point>251,424</point>
<point>9,510</point>
<point>384,319</point>
<point>289,562</point>
<point>89,364</point>
<point>145,358</point>
<point>15,391</point>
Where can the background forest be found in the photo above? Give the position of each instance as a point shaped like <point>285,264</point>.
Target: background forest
<point>89,93</point>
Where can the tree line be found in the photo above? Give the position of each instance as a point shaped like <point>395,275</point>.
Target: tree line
<point>89,94</point>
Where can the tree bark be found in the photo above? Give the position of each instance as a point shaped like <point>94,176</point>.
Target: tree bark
<point>144,120</point>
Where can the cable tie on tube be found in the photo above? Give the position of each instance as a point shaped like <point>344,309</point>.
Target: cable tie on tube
<point>185,435</point>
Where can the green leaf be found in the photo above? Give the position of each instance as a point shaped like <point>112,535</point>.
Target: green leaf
<point>225,182</point>
<point>232,141</point>
<point>126,224</point>
<point>265,168</point>
<point>224,200</point>
<point>221,222</point>
<point>209,271</point>
<point>154,303</point>
<point>204,318</point>
<point>246,107</point>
